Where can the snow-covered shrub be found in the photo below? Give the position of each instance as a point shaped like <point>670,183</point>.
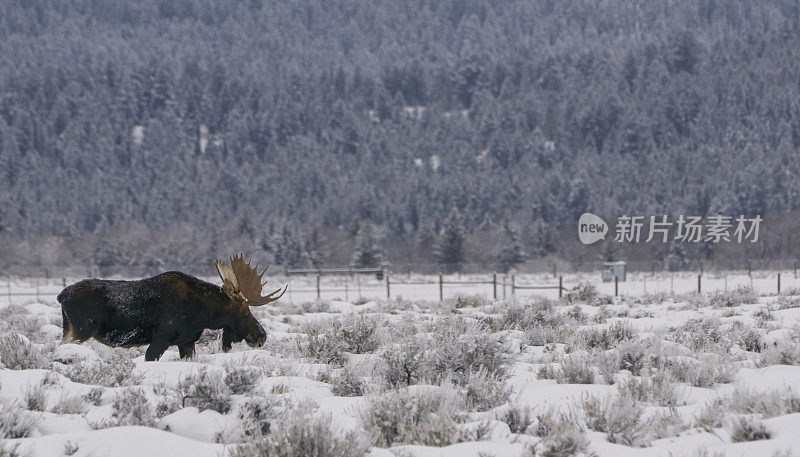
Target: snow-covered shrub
<point>318,306</point>
<point>257,415</point>
<point>518,417</point>
<point>279,389</point>
<point>242,380</point>
<point>71,448</point>
<point>706,372</point>
<point>402,363</point>
<point>18,353</point>
<point>550,371</point>
<point>459,347</point>
<point>702,335</point>
<point>35,397</point>
<point>168,399</point>
<point>657,388</point>
<point>748,429</point>
<point>789,355</point>
<point>75,404</point>
<point>115,369</point>
<point>484,391</point>
<point>131,407</point>
<point>712,415</point>
<point>583,292</point>
<point>606,337</point>
<point>576,313</point>
<point>11,450</point>
<point>414,417</point>
<point>607,365</point>
<point>621,419</point>
<point>346,383</point>
<point>541,335</point>
<point>576,370</point>
<point>322,346</point>
<point>359,333</point>
<point>768,404</point>
<point>667,424</point>
<point>300,435</point>
<point>94,396</point>
<point>561,437</point>
<point>537,313</point>
<point>205,389</point>
<point>741,295</point>
<point>16,422</point>
<point>632,356</point>
<point>467,301</point>
<point>747,337</point>
<point>15,319</point>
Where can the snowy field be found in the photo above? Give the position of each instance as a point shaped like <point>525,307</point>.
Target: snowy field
<point>648,374</point>
<point>426,287</point>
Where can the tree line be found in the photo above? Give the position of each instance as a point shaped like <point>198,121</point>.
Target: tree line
<point>163,132</point>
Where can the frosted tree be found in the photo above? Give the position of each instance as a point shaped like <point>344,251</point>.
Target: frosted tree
<point>450,250</point>
<point>367,254</point>
<point>511,254</point>
<point>288,247</point>
<point>677,259</point>
<point>313,249</point>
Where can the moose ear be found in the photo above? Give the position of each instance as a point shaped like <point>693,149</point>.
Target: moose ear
<point>229,283</point>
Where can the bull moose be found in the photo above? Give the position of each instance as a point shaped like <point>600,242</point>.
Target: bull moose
<point>171,308</point>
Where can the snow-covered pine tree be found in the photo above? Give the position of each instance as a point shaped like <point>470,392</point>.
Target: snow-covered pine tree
<point>511,254</point>
<point>367,254</point>
<point>288,247</point>
<point>450,250</point>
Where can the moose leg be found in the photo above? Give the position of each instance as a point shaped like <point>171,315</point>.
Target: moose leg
<point>66,328</point>
<point>227,340</point>
<point>155,350</point>
<point>186,350</point>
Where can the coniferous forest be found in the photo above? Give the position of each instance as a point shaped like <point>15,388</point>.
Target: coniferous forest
<point>161,133</point>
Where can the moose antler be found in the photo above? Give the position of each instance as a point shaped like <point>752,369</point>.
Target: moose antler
<point>249,282</point>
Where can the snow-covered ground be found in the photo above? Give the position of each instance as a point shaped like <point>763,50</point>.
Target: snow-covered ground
<point>640,375</point>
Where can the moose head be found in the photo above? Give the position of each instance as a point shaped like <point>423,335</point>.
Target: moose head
<point>242,284</point>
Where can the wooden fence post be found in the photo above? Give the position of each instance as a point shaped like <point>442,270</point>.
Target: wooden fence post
<point>388,294</point>
<point>699,283</point>
<point>779,282</point>
<point>560,286</point>
<point>441,288</point>
<point>513,281</point>
<point>616,286</point>
<point>319,293</point>
<point>494,285</point>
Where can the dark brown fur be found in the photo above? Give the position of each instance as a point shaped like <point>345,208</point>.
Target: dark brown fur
<point>172,308</point>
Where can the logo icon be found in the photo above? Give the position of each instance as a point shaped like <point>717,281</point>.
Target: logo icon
<point>591,228</point>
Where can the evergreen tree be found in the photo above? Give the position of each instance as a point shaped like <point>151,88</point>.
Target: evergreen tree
<point>367,254</point>
<point>450,251</point>
<point>288,248</point>
<point>676,259</point>
<point>314,250</point>
<point>511,254</point>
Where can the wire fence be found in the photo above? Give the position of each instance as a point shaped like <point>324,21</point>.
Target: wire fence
<point>352,285</point>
